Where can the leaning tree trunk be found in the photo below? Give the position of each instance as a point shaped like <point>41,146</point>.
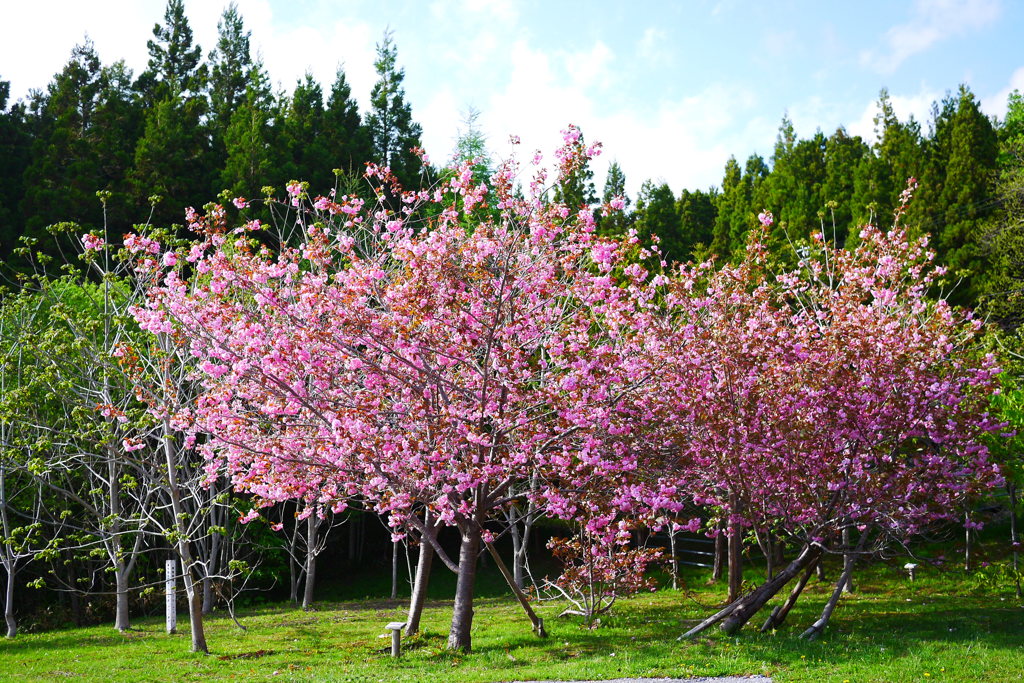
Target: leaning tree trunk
<point>459,638</point>
<point>780,613</point>
<point>750,604</point>
<point>739,612</point>
<point>818,627</point>
<point>423,567</point>
<point>538,623</point>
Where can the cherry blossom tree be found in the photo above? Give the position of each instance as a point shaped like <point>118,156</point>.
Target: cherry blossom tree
<point>834,397</point>
<point>431,359</point>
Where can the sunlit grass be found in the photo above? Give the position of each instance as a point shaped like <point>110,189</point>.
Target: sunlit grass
<point>940,627</point>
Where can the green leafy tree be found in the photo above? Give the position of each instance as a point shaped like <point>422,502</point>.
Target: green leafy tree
<point>1003,287</point>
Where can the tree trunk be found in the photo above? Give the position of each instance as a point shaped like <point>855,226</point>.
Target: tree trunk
<point>735,554</point>
<point>968,546</point>
<point>12,623</point>
<point>293,549</point>
<point>1011,490</point>
<point>312,526</point>
<point>751,603</point>
<point>121,618</point>
<point>721,555</point>
<point>207,594</point>
<point>675,559</point>
<point>780,613</point>
<point>518,555</point>
<point>739,612</point>
<point>459,638</point>
<point>195,603</point>
<point>848,559</point>
<point>819,571</point>
<point>394,570</point>
<point>419,589</point>
<point>818,627</point>
<point>188,568</point>
<point>76,599</point>
<point>538,623</point>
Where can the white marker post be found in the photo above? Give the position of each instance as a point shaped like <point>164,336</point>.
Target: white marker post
<point>171,588</point>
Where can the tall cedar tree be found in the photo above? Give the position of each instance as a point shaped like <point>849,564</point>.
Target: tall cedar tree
<point>965,201</point>
<point>697,213</point>
<point>175,64</point>
<point>251,158</point>
<point>230,65</point>
<point>15,149</point>
<point>655,214</point>
<point>348,141</point>
<point>64,173</point>
<point>172,159</point>
<point>616,223</point>
<point>576,190</point>
<point>882,175</point>
<point>843,154</point>
<point>393,133</point>
<point>305,154</point>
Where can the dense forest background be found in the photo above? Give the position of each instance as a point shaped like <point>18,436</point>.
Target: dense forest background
<point>196,124</point>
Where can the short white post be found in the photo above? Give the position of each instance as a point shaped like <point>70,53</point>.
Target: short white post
<point>171,590</point>
<point>396,637</point>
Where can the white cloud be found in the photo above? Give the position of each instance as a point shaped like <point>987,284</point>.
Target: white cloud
<point>36,43</point>
<point>931,22</point>
<point>918,105</point>
<point>652,46</point>
<point>995,104</point>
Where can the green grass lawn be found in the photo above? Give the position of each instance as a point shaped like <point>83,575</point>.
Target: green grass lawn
<point>941,627</point>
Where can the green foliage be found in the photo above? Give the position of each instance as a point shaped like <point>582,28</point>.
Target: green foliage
<point>393,133</point>
<point>230,74</point>
<point>617,223</point>
<point>175,64</point>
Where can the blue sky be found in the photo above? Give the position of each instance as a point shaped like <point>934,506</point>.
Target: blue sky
<point>670,88</point>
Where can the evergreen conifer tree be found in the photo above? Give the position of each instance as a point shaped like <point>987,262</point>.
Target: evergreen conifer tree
<point>393,133</point>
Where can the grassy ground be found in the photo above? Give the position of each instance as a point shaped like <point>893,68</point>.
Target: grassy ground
<point>944,626</point>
